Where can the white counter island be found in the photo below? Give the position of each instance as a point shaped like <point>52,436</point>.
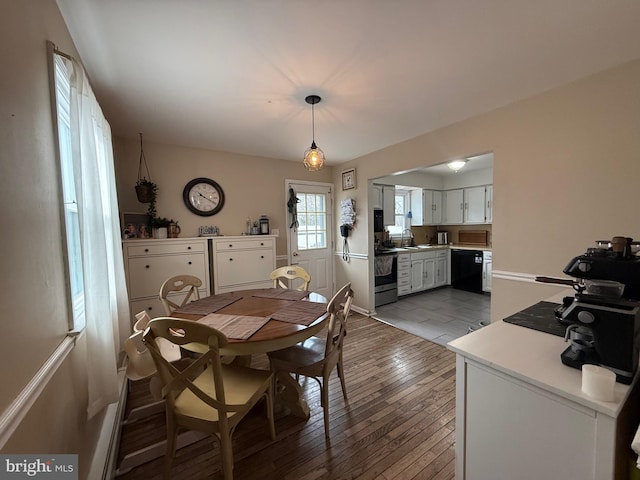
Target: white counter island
<point>521,413</point>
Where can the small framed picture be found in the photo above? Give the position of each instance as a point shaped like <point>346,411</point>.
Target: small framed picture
<point>349,179</point>
<point>136,225</point>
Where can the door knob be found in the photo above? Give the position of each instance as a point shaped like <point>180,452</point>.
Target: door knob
<point>295,254</point>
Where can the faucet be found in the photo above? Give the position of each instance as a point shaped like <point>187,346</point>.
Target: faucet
<point>402,237</point>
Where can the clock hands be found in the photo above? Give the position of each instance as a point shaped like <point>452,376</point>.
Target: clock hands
<point>205,197</point>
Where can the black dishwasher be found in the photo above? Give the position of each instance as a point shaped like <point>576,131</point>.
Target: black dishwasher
<point>466,270</point>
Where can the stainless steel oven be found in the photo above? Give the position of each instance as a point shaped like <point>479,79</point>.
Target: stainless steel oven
<point>386,278</point>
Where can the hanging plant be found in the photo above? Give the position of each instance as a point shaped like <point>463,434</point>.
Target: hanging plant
<point>146,190</point>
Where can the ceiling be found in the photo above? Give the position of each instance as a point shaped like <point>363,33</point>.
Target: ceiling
<point>232,75</point>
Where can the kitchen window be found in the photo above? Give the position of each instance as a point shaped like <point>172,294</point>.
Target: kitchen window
<point>401,209</point>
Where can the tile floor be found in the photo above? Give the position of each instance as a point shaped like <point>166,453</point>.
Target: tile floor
<point>439,315</point>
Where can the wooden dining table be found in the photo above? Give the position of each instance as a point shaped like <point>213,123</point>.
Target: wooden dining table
<point>302,315</point>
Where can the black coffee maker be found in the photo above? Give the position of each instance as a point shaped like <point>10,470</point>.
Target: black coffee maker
<point>603,318</point>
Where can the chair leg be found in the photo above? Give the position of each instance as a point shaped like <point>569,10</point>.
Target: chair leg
<point>341,375</point>
<point>226,454</point>
<point>172,433</point>
<point>324,392</point>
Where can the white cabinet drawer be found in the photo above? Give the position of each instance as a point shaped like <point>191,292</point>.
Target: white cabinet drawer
<point>404,290</point>
<point>222,245</point>
<point>404,281</point>
<point>235,268</point>
<point>165,248</point>
<point>422,255</point>
<point>404,274</point>
<point>146,274</point>
<point>441,253</point>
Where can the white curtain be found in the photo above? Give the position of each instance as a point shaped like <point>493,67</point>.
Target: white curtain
<point>106,301</point>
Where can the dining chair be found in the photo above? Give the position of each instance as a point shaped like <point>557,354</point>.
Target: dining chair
<point>316,357</point>
<point>294,275</point>
<point>187,284</point>
<point>206,395</point>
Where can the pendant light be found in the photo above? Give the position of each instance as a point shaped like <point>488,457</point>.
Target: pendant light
<point>313,156</point>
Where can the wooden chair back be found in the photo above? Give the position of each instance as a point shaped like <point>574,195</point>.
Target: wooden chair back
<point>297,277</point>
<point>187,284</point>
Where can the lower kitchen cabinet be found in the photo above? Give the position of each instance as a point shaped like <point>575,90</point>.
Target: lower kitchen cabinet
<point>487,268</point>
<point>429,269</point>
<point>404,274</point>
<point>148,263</point>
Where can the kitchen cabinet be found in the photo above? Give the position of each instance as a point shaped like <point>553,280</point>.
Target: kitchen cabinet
<point>244,262</point>
<point>383,197</point>
<point>521,413</point>
<point>487,266</point>
<point>426,207</point>
<point>423,271</point>
<point>442,268</point>
<point>453,201</point>
<point>148,263</point>
<point>488,204</point>
<point>474,205</point>
<point>404,274</point>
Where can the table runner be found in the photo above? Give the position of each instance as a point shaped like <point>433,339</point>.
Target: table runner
<point>239,327</point>
<point>208,304</point>
<point>282,294</point>
<point>300,312</point>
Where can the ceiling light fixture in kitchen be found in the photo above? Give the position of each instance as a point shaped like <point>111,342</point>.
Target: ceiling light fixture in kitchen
<point>456,165</point>
<point>313,156</point>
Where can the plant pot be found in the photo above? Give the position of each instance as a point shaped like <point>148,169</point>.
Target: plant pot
<point>145,193</point>
<point>160,232</point>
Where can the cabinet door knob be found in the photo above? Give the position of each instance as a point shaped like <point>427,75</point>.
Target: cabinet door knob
<point>231,259</point>
<point>189,263</point>
<point>188,248</point>
<point>146,250</point>
<point>150,308</point>
<point>146,266</point>
<point>261,256</point>
<point>230,245</point>
<point>261,244</point>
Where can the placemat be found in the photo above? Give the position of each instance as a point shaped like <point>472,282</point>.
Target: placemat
<point>239,327</point>
<point>282,294</point>
<point>208,304</point>
<point>302,313</point>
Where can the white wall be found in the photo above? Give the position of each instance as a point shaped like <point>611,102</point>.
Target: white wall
<point>33,295</point>
<point>565,173</point>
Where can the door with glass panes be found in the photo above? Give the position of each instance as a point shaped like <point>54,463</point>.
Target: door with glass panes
<point>311,240</point>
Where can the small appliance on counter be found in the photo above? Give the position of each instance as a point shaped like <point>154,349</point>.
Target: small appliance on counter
<point>443,237</point>
<point>603,318</point>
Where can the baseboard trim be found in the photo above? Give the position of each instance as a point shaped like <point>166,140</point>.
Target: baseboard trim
<point>105,457</point>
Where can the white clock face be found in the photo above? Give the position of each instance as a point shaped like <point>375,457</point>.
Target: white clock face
<point>204,197</point>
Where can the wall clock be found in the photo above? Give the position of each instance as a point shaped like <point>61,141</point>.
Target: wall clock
<point>203,196</point>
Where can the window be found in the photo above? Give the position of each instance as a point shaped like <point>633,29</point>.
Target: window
<point>312,219</point>
<point>70,203</point>
<point>401,208</point>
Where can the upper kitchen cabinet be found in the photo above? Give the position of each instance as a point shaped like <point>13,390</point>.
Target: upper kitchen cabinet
<point>488,204</point>
<point>383,197</point>
<point>474,205</point>
<point>426,207</point>
<point>453,201</point>
<point>468,205</point>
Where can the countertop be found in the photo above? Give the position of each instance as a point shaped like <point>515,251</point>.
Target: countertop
<point>425,247</point>
<point>533,357</point>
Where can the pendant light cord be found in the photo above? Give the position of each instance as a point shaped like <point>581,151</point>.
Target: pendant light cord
<point>142,159</point>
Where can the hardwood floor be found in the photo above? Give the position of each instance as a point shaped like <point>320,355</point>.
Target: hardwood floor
<point>399,422</point>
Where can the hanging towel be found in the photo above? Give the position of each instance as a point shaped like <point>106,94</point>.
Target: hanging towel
<point>383,265</point>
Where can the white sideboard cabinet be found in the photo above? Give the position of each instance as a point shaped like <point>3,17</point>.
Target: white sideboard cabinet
<point>148,263</point>
<point>242,262</point>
